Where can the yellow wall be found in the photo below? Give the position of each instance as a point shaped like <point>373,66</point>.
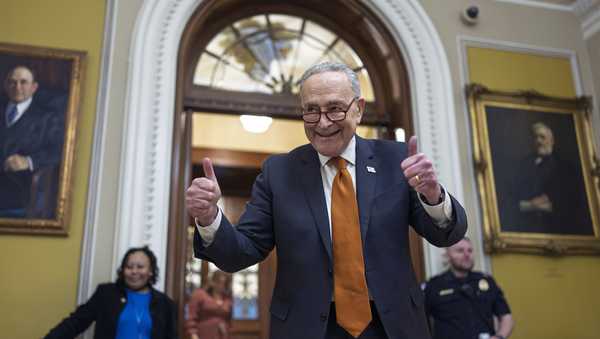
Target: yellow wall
<point>551,298</point>
<point>39,274</point>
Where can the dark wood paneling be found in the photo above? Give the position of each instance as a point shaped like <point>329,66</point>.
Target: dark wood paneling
<point>228,158</point>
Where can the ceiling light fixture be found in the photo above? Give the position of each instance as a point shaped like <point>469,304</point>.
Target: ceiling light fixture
<point>255,123</point>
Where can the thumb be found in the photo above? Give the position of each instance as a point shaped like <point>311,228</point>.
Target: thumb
<point>412,146</point>
<point>209,171</point>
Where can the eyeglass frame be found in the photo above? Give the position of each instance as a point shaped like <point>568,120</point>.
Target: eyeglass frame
<point>321,112</point>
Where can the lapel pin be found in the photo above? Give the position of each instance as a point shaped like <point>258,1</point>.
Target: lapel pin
<point>371,169</point>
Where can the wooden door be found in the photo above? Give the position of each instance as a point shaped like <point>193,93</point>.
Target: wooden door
<point>252,288</point>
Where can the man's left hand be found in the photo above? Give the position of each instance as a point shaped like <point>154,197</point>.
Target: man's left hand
<point>419,172</point>
<point>15,163</point>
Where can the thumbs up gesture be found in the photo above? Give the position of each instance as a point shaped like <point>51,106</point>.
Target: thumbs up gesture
<point>419,172</point>
<point>202,196</point>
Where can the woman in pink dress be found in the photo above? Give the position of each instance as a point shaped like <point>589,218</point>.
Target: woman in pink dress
<point>209,311</point>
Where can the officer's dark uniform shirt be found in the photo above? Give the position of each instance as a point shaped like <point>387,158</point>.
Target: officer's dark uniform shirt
<point>462,308</point>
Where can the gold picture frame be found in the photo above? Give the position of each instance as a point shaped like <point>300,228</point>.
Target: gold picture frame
<point>42,88</point>
<point>537,172</point>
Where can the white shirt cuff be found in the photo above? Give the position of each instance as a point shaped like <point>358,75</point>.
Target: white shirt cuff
<point>30,161</point>
<point>207,233</point>
<point>440,213</point>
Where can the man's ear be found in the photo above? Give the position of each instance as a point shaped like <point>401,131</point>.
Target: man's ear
<point>35,87</point>
<point>362,104</point>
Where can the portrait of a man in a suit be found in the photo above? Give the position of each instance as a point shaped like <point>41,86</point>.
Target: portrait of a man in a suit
<point>538,174</point>
<point>31,141</point>
<point>550,192</point>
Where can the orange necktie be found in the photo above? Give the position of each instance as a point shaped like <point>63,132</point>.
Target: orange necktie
<point>353,311</point>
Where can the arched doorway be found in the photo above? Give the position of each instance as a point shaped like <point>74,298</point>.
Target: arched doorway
<point>245,57</point>
<point>152,116</point>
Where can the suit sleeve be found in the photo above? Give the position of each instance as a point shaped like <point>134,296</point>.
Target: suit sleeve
<point>50,151</point>
<point>79,320</point>
<point>425,226</point>
<point>251,241</point>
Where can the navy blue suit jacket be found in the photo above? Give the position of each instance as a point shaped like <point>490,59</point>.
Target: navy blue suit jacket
<point>287,210</point>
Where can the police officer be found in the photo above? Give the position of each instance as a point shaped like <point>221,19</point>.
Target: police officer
<point>462,303</point>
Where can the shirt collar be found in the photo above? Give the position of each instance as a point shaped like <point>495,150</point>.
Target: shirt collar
<point>349,154</point>
<point>24,105</point>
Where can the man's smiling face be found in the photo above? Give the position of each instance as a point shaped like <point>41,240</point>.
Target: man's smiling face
<point>330,89</point>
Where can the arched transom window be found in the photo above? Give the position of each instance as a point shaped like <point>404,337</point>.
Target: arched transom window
<point>268,54</point>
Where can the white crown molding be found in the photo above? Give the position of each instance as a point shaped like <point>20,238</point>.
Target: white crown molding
<point>142,214</point>
<point>540,4</point>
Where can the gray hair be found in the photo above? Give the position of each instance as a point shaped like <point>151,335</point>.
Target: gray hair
<point>332,66</point>
<point>542,126</point>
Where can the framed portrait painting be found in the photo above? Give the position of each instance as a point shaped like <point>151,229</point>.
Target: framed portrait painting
<point>537,172</point>
<point>39,108</point>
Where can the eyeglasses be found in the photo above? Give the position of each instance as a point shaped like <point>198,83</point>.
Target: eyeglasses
<point>336,112</point>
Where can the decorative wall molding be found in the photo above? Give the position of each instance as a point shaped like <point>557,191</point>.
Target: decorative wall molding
<point>142,214</point>
<point>540,4</point>
<point>143,202</point>
<point>511,46</point>
<point>88,248</point>
<point>590,24</point>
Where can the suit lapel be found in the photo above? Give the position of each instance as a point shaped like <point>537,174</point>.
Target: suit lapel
<point>366,175</point>
<point>310,176</point>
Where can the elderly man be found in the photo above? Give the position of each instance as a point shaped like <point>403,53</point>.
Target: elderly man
<point>338,211</point>
<point>463,302</point>
<point>538,200</point>
<point>31,137</point>
<point>549,189</point>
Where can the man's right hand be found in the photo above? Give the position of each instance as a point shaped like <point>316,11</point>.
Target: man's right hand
<point>202,196</point>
